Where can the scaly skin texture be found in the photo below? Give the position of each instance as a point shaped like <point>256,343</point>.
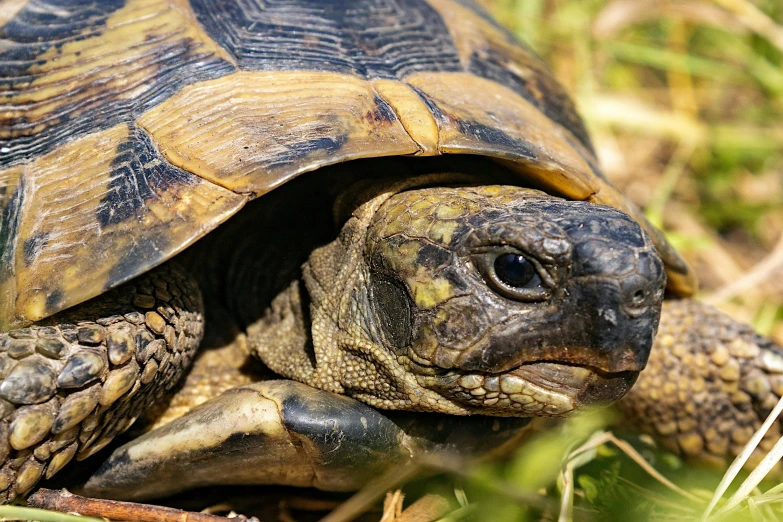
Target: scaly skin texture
<point>406,310</point>
<point>408,313</point>
<point>73,382</point>
<point>709,384</point>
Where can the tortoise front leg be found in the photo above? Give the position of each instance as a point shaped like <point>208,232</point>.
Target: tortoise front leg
<point>709,384</point>
<point>72,382</point>
<point>286,433</point>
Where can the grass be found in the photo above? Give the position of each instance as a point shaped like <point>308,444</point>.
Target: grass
<point>40,515</point>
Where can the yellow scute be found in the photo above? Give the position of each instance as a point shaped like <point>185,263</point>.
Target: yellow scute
<point>430,293</point>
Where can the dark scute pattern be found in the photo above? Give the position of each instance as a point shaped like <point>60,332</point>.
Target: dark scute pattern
<point>45,24</point>
<point>367,38</point>
<point>9,225</point>
<point>383,112</point>
<point>54,300</point>
<point>434,109</point>
<point>328,144</point>
<point>497,138</point>
<point>145,248</point>
<point>33,245</point>
<point>138,174</point>
<point>39,26</point>
<point>551,100</point>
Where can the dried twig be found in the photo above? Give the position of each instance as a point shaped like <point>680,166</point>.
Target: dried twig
<point>66,502</point>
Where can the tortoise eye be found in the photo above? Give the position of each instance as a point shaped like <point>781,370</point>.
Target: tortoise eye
<point>513,275</point>
<point>515,270</point>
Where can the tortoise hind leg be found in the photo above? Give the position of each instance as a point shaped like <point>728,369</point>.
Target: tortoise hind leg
<point>709,384</point>
<point>74,381</point>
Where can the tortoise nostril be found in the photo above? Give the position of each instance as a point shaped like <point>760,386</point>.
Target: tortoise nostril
<point>639,292</point>
<point>639,297</point>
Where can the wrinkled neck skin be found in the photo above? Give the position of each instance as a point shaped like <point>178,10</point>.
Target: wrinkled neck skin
<point>410,307</point>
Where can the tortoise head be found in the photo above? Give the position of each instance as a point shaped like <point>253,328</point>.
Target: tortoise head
<point>496,300</point>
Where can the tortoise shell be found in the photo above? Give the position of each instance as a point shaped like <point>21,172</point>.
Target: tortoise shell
<point>131,128</point>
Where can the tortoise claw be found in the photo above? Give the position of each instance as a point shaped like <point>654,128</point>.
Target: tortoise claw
<point>284,432</point>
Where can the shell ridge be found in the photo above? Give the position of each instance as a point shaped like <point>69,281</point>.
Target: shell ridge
<point>411,127</point>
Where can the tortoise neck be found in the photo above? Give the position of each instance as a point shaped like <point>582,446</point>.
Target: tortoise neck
<point>245,263</point>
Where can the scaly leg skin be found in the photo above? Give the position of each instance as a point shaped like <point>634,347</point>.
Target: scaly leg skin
<point>214,370</point>
<point>74,381</point>
<point>709,384</point>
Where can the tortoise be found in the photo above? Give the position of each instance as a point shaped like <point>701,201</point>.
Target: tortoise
<point>434,256</point>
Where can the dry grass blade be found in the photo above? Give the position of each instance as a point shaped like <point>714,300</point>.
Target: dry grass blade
<point>755,20</point>
<point>767,498</point>
<point>369,494</point>
<point>755,512</point>
<point>573,460</point>
<point>461,496</point>
<point>620,14</point>
<point>661,499</point>
<point>753,279</point>
<point>392,506</point>
<point>634,455</point>
<point>638,116</point>
<point>567,495</point>
<point>755,477</point>
<point>742,458</point>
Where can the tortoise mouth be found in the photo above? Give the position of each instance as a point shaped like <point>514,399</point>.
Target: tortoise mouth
<point>536,388</point>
